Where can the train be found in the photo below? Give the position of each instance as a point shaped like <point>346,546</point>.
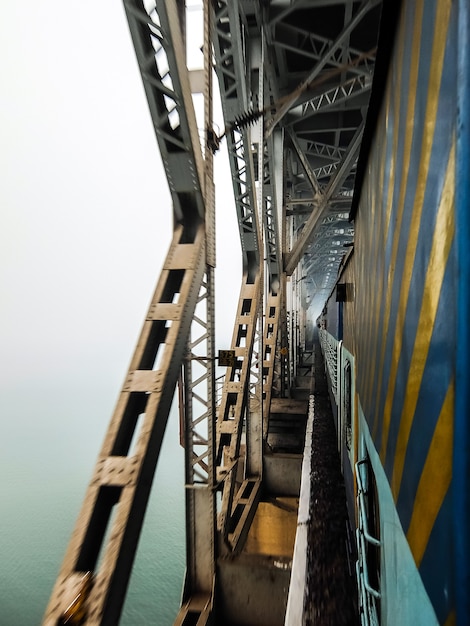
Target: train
<point>394,330</point>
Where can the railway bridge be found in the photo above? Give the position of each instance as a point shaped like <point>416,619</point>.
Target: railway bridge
<point>294,79</point>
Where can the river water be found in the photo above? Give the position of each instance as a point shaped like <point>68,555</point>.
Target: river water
<point>49,446</point>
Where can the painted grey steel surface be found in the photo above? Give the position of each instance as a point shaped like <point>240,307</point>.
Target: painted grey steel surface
<point>107,531</point>
<point>294,79</point>
<point>117,496</point>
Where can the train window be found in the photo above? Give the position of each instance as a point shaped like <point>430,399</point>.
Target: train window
<point>347,405</point>
<point>368,543</point>
<point>373,522</point>
<point>341,292</point>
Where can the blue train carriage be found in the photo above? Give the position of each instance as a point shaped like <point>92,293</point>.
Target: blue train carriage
<point>396,335</point>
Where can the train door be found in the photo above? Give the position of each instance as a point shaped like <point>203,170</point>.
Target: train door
<point>346,407</point>
<point>368,541</point>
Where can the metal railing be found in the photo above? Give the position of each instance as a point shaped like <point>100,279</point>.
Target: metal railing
<point>339,364</point>
<point>331,348</point>
<point>368,595</point>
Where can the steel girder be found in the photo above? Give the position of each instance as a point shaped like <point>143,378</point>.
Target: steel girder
<point>198,406</point>
<point>105,538</point>
<point>118,493</point>
<point>240,491</point>
<point>231,57</point>
<point>310,92</point>
<point>334,184</point>
<point>273,191</point>
<point>318,46</point>
<point>316,88</point>
<point>160,52</point>
<point>246,85</point>
<point>272,196</point>
<point>233,408</point>
<point>323,55</point>
<point>335,54</point>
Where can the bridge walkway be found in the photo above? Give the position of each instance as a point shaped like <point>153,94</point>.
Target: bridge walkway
<point>253,585</point>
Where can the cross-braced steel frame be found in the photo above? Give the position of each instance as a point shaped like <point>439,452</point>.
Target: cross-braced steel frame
<point>294,79</point>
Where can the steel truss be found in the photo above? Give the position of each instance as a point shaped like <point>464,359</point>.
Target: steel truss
<point>294,102</point>
<point>335,54</point>
<point>106,534</point>
<point>333,186</point>
<point>119,489</point>
<point>321,108</point>
<point>240,489</point>
<point>241,62</point>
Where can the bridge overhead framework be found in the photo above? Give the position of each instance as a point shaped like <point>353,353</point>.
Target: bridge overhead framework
<point>294,79</point>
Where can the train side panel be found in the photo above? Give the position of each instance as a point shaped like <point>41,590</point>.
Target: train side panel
<point>400,320</point>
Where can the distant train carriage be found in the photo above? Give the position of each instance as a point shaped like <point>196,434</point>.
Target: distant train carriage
<point>395,327</point>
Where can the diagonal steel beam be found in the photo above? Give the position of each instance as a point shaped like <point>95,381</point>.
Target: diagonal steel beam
<point>336,45</point>
<point>156,35</point>
<point>117,496</point>
<point>293,6</point>
<point>312,179</point>
<point>350,157</point>
<point>339,94</point>
<point>104,542</point>
<point>318,45</point>
<point>232,53</point>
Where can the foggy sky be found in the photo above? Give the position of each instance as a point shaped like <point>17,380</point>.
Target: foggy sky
<point>86,221</point>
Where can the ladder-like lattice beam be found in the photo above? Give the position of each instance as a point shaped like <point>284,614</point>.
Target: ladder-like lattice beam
<point>230,54</point>
<point>106,534</point>
<point>105,538</point>
<point>234,80</point>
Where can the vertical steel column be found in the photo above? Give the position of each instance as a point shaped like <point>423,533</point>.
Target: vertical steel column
<point>199,402</point>
<point>272,207</point>
<point>239,492</point>
<point>254,422</point>
<point>283,372</point>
